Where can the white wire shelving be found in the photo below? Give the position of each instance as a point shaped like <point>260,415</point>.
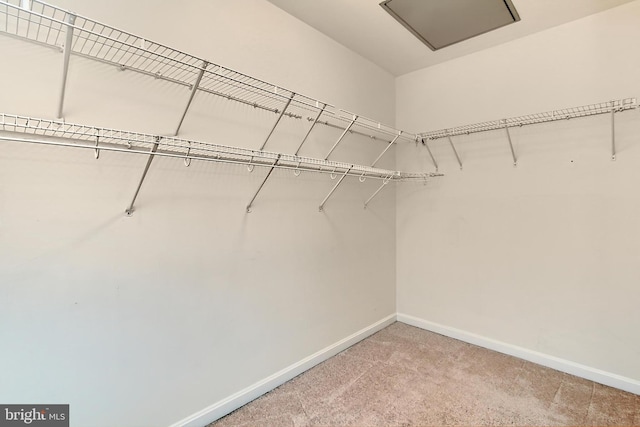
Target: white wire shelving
<point>52,27</point>
<point>609,107</point>
<point>60,133</point>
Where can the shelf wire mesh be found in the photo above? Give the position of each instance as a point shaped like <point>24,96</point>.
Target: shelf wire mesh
<point>46,24</point>
<point>530,119</point>
<point>187,149</point>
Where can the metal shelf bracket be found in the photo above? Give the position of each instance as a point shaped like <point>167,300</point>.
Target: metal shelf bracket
<point>275,163</point>
<point>68,47</point>
<point>277,120</point>
<point>384,183</point>
<point>513,153</point>
<point>344,175</point>
<point>96,152</point>
<point>192,93</point>
<point>425,142</point>
<point>453,147</point>
<point>129,210</point>
<point>341,136</point>
<point>315,121</point>
<point>393,141</point>
<point>613,131</point>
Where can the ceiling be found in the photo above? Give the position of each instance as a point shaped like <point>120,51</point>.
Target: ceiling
<point>365,28</point>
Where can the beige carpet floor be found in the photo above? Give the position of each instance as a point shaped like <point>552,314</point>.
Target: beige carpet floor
<point>405,376</point>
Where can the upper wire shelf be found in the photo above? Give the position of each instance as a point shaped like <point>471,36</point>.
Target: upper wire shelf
<point>99,138</point>
<point>549,116</point>
<point>46,25</point>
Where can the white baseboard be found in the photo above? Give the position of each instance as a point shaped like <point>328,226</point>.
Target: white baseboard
<point>583,371</point>
<point>233,402</point>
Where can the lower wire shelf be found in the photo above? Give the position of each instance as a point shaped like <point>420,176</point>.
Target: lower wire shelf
<point>59,133</point>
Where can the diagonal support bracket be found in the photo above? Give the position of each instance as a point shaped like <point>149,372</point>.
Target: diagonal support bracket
<point>513,153</point>
<point>194,88</point>
<point>453,147</point>
<point>278,159</point>
<point>129,210</point>
<point>344,175</point>
<point>315,121</point>
<point>275,163</point>
<point>341,137</point>
<point>613,131</point>
<point>433,159</point>
<point>385,181</point>
<point>277,121</point>
<point>66,54</point>
<point>393,141</point>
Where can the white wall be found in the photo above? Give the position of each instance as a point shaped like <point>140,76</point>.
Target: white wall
<point>545,255</point>
<point>145,320</point>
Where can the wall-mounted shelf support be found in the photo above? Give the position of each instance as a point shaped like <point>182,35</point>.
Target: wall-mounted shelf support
<point>393,141</point>
<point>192,93</point>
<point>344,175</point>
<point>384,183</point>
<point>154,148</point>
<point>315,121</point>
<point>277,121</point>
<point>613,131</point>
<point>513,153</point>
<point>425,142</point>
<point>68,47</point>
<point>297,172</point>
<point>275,163</point>
<point>453,147</point>
<point>96,153</point>
<point>341,137</point>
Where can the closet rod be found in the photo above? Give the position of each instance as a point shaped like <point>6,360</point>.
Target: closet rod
<point>607,107</point>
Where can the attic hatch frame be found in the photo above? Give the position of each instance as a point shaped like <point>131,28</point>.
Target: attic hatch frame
<point>386,5</point>
<point>72,34</point>
<point>608,107</point>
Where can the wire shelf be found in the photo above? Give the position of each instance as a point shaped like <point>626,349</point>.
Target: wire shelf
<point>99,138</point>
<point>47,25</point>
<point>530,119</point>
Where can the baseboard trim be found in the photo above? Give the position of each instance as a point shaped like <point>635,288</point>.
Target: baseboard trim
<point>573,368</point>
<point>233,402</point>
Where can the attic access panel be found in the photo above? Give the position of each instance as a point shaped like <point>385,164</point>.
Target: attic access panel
<point>441,23</point>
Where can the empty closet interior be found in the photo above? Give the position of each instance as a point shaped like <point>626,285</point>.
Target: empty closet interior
<point>201,200</point>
